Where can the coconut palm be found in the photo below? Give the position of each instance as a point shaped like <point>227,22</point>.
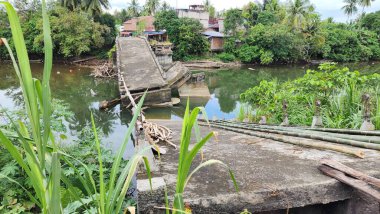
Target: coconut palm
<point>298,11</point>
<point>271,5</point>
<point>152,6</point>
<point>350,7</point>
<point>71,4</point>
<point>165,6</point>
<point>133,8</point>
<point>365,3</point>
<point>94,7</point>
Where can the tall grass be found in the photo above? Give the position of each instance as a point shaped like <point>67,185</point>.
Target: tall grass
<point>344,108</point>
<point>376,115</point>
<point>42,166</point>
<point>41,159</point>
<point>186,157</point>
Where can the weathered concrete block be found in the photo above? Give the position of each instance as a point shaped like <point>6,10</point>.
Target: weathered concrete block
<point>149,199</point>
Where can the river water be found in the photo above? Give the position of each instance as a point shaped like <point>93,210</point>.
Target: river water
<point>72,85</point>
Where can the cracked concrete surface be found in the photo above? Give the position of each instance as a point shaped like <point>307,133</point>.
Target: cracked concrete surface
<point>271,175</point>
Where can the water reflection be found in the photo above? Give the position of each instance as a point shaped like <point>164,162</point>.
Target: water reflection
<point>72,85</point>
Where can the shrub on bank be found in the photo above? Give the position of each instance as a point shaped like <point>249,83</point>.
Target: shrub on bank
<point>226,57</point>
<point>338,89</point>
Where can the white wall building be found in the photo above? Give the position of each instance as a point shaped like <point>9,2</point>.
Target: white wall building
<point>195,12</point>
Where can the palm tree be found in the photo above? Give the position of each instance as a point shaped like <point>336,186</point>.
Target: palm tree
<point>207,4</point>
<point>350,8</point>
<point>165,6</point>
<point>298,11</point>
<point>94,7</point>
<point>152,6</point>
<point>134,8</point>
<point>271,5</point>
<point>71,4</point>
<point>365,3</point>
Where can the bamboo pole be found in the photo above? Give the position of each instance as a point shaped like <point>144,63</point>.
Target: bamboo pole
<point>367,139</point>
<point>310,136</point>
<point>330,130</point>
<point>347,131</point>
<point>294,141</point>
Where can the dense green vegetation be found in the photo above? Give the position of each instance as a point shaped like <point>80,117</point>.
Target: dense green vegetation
<point>284,33</point>
<point>75,30</point>
<point>40,173</point>
<point>184,33</point>
<point>339,90</point>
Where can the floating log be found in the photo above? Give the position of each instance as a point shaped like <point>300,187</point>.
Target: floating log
<point>351,172</point>
<point>310,136</point>
<point>355,183</point>
<point>294,141</point>
<point>174,101</point>
<point>107,104</point>
<point>84,60</point>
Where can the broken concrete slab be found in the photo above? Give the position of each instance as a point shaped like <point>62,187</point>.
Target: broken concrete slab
<point>271,175</point>
<point>199,89</point>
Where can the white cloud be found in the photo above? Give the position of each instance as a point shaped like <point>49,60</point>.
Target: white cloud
<point>327,8</point>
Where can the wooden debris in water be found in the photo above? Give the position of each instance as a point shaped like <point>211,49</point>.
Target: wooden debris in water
<point>104,71</point>
<point>156,133</point>
<point>107,104</point>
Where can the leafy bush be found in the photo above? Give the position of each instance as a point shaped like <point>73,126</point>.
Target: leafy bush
<point>226,57</point>
<point>184,33</point>
<point>339,90</point>
<point>248,53</point>
<point>345,44</point>
<point>74,33</point>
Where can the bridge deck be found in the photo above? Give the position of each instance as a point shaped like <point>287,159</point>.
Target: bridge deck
<point>271,176</point>
<point>138,66</point>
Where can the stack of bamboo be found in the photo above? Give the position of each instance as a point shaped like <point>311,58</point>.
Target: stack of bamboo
<point>297,135</point>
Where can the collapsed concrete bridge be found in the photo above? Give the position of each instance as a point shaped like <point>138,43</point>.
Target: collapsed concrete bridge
<point>140,71</point>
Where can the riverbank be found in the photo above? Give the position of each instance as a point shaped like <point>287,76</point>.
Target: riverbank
<point>210,64</point>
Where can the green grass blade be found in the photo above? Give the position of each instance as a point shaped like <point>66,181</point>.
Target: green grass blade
<point>15,65</point>
<point>13,151</point>
<point>178,203</point>
<point>188,161</point>
<point>211,162</point>
<point>193,152</point>
<point>84,182</point>
<point>121,151</point>
<point>26,76</point>
<point>147,165</point>
<point>132,170</point>
<point>55,183</point>
<point>102,190</point>
<point>115,194</point>
<point>48,63</point>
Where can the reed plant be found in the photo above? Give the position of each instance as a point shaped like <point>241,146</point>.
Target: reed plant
<point>186,157</point>
<point>39,160</point>
<point>35,150</point>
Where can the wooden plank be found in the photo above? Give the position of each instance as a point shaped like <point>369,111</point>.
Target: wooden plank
<point>351,172</point>
<point>355,183</point>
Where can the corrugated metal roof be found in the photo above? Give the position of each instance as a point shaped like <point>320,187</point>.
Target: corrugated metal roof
<point>213,34</point>
<point>154,32</point>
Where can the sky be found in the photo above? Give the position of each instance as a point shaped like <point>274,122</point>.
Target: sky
<point>327,8</point>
